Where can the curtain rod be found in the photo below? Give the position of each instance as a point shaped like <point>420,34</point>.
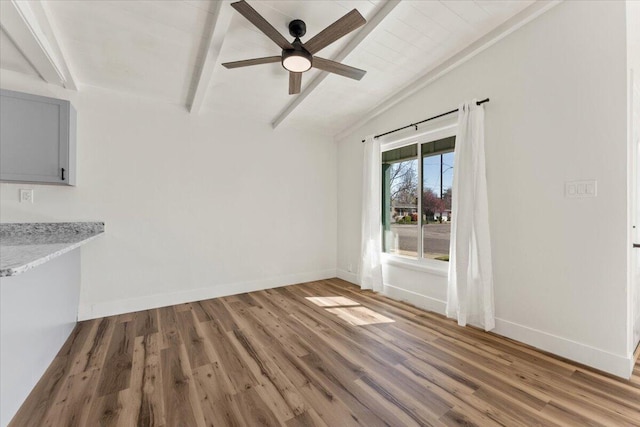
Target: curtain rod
<point>426,120</point>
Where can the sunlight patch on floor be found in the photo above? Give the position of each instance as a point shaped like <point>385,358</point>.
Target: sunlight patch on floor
<point>332,301</point>
<point>359,316</point>
<point>349,310</point>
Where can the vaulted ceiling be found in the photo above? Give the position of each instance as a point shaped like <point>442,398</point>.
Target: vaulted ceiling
<point>171,51</point>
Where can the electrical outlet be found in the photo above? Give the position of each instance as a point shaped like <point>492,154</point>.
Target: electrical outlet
<point>350,268</point>
<point>26,195</point>
<point>581,189</point>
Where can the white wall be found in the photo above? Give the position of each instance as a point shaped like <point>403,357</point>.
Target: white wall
<point>557,114</point>
<point>195,206</point>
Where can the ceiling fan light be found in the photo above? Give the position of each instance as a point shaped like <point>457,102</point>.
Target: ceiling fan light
<point>296,61</point>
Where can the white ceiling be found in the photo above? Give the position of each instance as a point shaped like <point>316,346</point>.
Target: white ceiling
<point>154,49</point>
<point>11,58</point>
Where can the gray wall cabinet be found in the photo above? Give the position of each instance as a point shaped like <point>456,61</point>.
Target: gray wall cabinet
<point>37,139</point>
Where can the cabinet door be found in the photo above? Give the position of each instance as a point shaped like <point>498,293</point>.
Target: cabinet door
<point>36,139</point>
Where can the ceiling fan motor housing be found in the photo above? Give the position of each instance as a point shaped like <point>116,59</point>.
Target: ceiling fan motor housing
<point>297,28</point>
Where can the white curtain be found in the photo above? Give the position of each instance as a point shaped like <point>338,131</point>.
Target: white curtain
<point>470,286</point>
<point>370,271</point>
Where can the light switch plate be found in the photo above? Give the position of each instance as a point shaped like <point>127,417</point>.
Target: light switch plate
<point>581,189</point>
<point>26,195</point>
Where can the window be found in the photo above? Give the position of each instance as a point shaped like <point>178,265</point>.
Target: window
<point>416,199</point>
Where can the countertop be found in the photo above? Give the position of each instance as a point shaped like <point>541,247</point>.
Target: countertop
<point>27,245</point>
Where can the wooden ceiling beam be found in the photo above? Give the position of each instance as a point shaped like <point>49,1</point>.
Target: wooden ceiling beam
<point>359,37</point>
<point>28,26</point>
<point>220,13</point>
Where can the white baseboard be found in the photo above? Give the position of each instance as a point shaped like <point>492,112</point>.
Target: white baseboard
<point>421,301</point>
<point>129,305</point>
<point>347,275</point>
<point>608,362</point>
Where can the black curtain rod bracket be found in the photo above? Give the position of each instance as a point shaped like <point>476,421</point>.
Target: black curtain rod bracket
<point>426,120</point>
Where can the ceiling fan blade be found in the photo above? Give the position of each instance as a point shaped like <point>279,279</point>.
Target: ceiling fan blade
<point>333,32</point>
<point>255,61</point>
<point>256,19</point>
<point>338,68</point>
<point>295,82</point>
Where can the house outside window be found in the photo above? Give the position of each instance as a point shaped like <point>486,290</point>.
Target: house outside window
<point>416,199</point>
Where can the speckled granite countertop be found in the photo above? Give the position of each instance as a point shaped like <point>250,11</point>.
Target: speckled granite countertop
<point>27,245</point>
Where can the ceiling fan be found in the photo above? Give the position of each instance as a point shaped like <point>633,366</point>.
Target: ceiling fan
<point>298,57</point>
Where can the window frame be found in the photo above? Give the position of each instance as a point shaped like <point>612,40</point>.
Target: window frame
<point>443,129</point>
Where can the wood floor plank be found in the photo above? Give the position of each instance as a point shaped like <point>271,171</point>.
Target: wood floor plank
<point>201,314</point>
<point>273,319</point>
<point>332,410</point>
<point>192,338</point>
<point>455,417</point>
<point>567,417</point>
<point>211,389</point>
<point>272,387</point>
<point>461,397</point>
<point>146,322</point>
<point>424,408</point>
<point>260,362</point>
<point>244,319</point>
<point>468,367</point>
<point>105,411</point>
<point>146,399</point>
<point>307,418</point>
<point>240,376</point>
<point>94,357</point>
<point>76,342</point>
<point>168,326</point>
<point>254,410</point>
<point>71,406</point>
<point>404,418</point>
<point>223,412</point>
<point>215,309</point>
<point>524,414</point>
<point>322,353</point>
<point>573,392</point>
<point>182,407</point>
<point>366,407</point>
<point>613,388</point>
<point>382,373</point>
<point>116,373</point>
<point>338,330</point>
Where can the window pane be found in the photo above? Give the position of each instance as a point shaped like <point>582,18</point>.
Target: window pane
<point>437,180</point>
<point>400,201</point>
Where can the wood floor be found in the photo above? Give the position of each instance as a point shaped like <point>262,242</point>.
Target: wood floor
<point>322,353</point>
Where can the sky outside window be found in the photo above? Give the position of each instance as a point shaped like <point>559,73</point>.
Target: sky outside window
<point>431,172</point>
